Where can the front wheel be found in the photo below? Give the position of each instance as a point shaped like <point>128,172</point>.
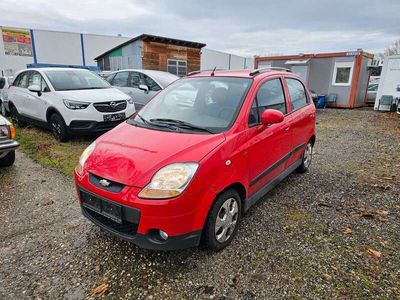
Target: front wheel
<point>7,160</point>
<point>16,118</point>
<point>307,158</point>
<point>59,128</point>
<point>222,221</point>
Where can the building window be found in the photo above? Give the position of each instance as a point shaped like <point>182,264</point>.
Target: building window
<point>342,73</point>
<point>177,67</point>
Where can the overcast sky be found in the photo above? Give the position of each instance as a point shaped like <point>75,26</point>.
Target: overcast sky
<point>241,27</point>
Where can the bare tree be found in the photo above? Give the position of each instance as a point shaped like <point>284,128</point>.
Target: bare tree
<point>394,49</point>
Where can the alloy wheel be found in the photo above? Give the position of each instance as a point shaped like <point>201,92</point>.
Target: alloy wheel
<point>307,156</point>
<point>226,221</point>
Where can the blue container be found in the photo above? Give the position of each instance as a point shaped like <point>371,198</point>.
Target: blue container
<point>321,101</point>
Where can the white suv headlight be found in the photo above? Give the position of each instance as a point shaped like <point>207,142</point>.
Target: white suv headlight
<point>71,104</point>
<point>170,181</point>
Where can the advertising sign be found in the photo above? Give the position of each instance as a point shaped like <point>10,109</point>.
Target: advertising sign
<point>17,42</point>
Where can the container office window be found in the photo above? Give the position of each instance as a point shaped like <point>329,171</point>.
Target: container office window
<point>342,73</point>
<point>177,67</point>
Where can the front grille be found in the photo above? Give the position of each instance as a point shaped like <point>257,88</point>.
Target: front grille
<point>113,186</point>
<point>112,106</point>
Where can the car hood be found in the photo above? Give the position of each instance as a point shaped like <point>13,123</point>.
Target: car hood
<point>131,155</point>
<point>95,95</point>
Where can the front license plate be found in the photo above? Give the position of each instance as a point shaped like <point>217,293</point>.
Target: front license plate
<point>104,208</point>
<point>114,117</point>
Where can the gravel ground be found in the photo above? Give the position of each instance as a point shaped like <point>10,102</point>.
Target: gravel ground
<point>330,233</point>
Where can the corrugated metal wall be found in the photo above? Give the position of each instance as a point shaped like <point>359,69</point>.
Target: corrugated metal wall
<point>222,60</point>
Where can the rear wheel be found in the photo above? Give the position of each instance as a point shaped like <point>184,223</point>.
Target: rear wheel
<point>58,128</point>
<point>222,221</point>
<point>16,118</point>
<point>307,158</point>
<point>7,160</point>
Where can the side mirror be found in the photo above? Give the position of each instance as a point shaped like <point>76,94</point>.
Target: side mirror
<point>271,116</point>
<point>144,88</point>
<point>35,89</point>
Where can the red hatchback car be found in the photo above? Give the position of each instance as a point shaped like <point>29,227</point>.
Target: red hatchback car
<point>184,169</point>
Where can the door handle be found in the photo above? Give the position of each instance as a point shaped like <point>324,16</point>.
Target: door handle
<point>287,128</point>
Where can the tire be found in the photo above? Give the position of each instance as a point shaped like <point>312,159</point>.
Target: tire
<point>16,118</point>
<point>8,160</point>
<point>216,237</point>
<point>306,158</point>
<point>58,128</point>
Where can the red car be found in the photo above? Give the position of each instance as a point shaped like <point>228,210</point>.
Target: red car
<point>184,169</point>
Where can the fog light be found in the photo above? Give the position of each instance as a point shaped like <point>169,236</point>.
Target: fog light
<point>163,235</point>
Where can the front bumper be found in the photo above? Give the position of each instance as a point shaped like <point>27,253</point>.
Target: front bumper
<point>87,127</point>
<point>131,219</point>
<point>8,145</point>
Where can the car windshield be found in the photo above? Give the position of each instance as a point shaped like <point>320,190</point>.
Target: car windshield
<point>75,80</point>
<point>202,104</point>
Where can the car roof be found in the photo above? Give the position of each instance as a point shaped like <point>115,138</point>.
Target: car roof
<point>161,77</point>
<point>53,69</point>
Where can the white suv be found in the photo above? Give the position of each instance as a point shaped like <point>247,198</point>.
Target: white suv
<point>67,101</point>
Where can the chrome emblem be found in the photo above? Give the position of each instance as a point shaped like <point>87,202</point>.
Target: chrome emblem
<point>113,104</point>
<point>104,182</point>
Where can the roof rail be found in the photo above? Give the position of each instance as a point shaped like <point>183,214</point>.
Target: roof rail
<point>263,70</point>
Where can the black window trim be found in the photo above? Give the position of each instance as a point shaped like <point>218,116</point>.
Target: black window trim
<point>290,99</point>
<point>256,100</point>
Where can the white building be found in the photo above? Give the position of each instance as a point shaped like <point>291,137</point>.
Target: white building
<point>22,47</point>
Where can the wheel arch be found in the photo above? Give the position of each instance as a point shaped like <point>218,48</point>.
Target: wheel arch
<point>52,110</point>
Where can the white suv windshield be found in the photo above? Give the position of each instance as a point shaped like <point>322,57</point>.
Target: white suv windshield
<point>208,104</point>
<point>75,80</point>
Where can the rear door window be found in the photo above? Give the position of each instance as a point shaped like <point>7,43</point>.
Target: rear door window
<point>2,82</point>
<point>297,93</point>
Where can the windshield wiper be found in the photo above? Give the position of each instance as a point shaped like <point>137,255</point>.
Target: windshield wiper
<point>181,124</point>
<point>150,123</point>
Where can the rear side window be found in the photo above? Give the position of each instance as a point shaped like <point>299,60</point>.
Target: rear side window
<point>269,96</point>
<point>2,82</point>
<point>297,93</point>
<point>121,79</point>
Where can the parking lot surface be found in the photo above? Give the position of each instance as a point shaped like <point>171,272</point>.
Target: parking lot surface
<point>330,233</point>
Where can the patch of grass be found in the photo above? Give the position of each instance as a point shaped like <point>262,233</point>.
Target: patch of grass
<point>43,148</point>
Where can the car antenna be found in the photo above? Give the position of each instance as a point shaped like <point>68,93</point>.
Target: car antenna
<point>212,73</point>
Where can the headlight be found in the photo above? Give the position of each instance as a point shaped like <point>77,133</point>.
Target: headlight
<point>170,181</point>
<point>130,101</point>
<point>75,104</point>
<point>4,131</point>
<point>85,155</point>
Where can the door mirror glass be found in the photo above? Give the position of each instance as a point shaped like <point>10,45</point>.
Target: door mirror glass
<point>34,88</point>
<point>144,88</point>
<point>271,116</point>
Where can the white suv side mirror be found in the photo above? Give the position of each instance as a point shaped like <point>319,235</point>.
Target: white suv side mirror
<point>34,88</point>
